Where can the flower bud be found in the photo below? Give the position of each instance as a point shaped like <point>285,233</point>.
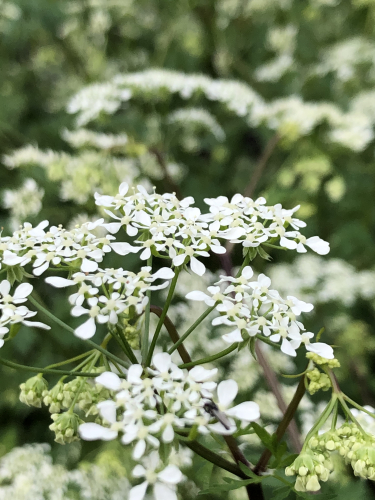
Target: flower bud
<point>32,391</point>
<point>65,427</point>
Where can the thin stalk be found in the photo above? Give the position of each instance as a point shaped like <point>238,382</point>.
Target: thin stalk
<point>289,414</point>
<point>267,340</point>
<point>70,330</point>
<point>334,416</point>
<point>50,371</point>
<point>172,330</point>
<point>129,351</point>
<point>214,458</point>
<point>208,359</point>
<point>146,333</point>
<point>192,328</point>
<point>80,387</point>
<point>162,317</point>
<point>322,419</point>
<point>350,415</point>
<point>359,407</point>
<point>71,360</point>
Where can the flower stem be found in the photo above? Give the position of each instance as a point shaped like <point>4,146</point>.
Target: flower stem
<point>289,414</point>
<point>192,328</point>
<point>83,381</point>
<point>358,406</point>
<point>70,330</point>
<point>126,346</point>
<point>50,371</point>
<point>171,329</point>
<point>71,360</point>
<point>146,333</point>
<point>162,317</point>
<point>208,359</point>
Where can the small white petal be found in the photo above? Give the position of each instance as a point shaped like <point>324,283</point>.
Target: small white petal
<point>164,273</point>
<point>89,266</point>
<point>134,374</point>
<point>247,411</point>
<point>197,267</point>
<point>92,432</point>
<point>163,492</point>
<point>109,380</point>
<point>86,330</point>
<point>162,361</point>
<point>36,324</point>
<point>322,349</point>
<point>197,295</point>
<point>227,391</point>
<point>107,410</point>
<point>58,282</point>
<point>171,474</point>
<point>139,449</point>
<point>138,492</point>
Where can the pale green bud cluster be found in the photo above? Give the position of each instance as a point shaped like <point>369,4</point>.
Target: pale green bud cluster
<point>65,426</point>
<point>132,335</point>
<point>318,381</point>
<point>32,391</point>
<point>363,460</point>
<point>318,360</point>
<point>54,398</point>
<point>62,396</point>
<point>310,468</point>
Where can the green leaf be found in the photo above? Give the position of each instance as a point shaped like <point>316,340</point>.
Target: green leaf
<point>233,485</point>
<point>14,329</point>
<point>288,460</point>
<point>252,347</point>
<point>263,254</point>
<point>281,493</point>
<point>248,472</point>
<point>263,435</point>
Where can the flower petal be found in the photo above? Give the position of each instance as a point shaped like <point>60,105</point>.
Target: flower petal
<point>227,391</point>
<point>92,432</point>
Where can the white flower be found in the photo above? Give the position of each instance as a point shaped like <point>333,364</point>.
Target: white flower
<point>245,412</point>
<point>164,482</point>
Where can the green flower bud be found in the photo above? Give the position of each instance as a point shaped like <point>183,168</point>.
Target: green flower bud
<point>54,397</point>
<point>312,483</point>
<point>32,391</point>
<point>65,427</point>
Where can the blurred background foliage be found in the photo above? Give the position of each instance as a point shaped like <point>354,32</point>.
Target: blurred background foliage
<point>93,92</point>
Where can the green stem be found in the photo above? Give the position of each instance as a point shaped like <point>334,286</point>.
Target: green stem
<point>287,418</point>
<point>212,457</point>
<point>162,317</point>
<point>359,407</point>
<point>208,359</point>
<point>350,415</point>
<point>127,349</point>
<point>267,340</point>
<point>334,416</point>
<point>321,420</point>
<point>50,371</point>
<point>71,360</point>
<point>82,382</point>
<point>71,330</point>
<point>146,333</point>
<point>192,328</point>
<point>245,263</point>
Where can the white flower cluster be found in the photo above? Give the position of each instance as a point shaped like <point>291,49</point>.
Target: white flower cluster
<point>153,404</point>
<point>181,232</point>
<point>125,292</point>
<point>290,115</point>
<point>12,310</point>
<point>85,138</point>
<point>78,248</point>
<point>325,280</point>
<point>83,173</point>
<point>252,307</point>
<point>199,117</point>
<point>28,472</point>
<point>23,202</point>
